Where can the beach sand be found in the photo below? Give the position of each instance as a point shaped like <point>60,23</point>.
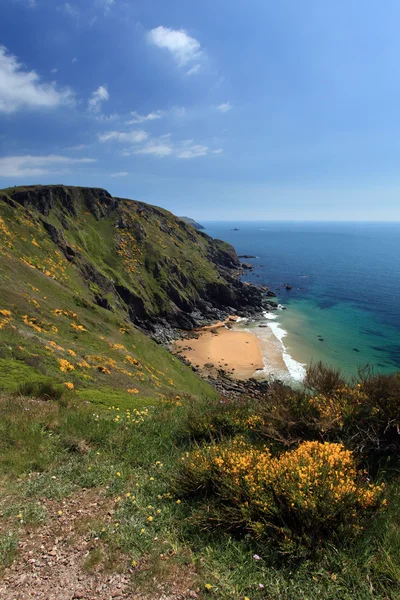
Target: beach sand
<point>242,353</point>
<point>237,352</point>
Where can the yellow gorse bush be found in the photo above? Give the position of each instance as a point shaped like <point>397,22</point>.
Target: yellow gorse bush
<point>65,366</point>
<point>304,494</point>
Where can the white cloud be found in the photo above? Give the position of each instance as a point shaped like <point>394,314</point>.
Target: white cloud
<point>29,166</point>
<point>164,146</point>
<point>179,112</point>
<point>97,98</point>
<point>134,137</point>
<point>224,107</point>
<point>217,151</point>
<point>74,60</point>
<point>71,11</point>
<point>23,89</point>
<point>137,118</point>
<point>54,70</point>
<point>120,174</point>
<point>182,46</point>
<point>194,70</point>
<point>156,149</point>
<point>107,5</point>
<point>79,147</point>
<point>193,151</point>
<point>30,3</point>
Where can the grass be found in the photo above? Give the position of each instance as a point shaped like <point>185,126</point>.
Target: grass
<point>89,404</point>
<point>52,449</point>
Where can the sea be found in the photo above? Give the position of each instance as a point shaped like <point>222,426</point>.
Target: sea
<point>343,307</point>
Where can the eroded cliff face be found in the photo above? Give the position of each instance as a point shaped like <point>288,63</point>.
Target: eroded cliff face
<point>130,255</point>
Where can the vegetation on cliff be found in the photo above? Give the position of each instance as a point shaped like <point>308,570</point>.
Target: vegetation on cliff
<point>108,439</point>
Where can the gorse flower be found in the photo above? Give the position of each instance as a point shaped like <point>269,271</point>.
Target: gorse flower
<point>65,366</point>
<point>293,495</point>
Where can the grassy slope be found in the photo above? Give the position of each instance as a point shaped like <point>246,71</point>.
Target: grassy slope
<point>51,451</point>
<point>36,281</point>
<point>102,437</point>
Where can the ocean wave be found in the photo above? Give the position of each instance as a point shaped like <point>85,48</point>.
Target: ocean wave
<point>268,315</point>
<point>296,369</point>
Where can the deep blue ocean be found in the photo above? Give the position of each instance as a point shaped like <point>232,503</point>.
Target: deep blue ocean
<point>344,305</point>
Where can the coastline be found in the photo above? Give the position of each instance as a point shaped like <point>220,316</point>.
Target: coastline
<point>224,347</point>
<point>243,348</point>
<point>272,334</point>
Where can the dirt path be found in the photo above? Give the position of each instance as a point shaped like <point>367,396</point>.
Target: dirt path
<point>50,564</point>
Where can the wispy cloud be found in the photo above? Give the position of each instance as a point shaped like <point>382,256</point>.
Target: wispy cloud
<point>29,166</point>
<point>181,45</point>
<point>107,4</point>
<point>20,88</point>
<point>71,10</point>
<point>79,147</point>
<point>155,148</point>
<point>30,3</point>
<point>120,174</point>
<point>224,107</point>
<point>97,98</point>
<point>193,151</point>
<point>55,70</point>
<point>153,116</point>
<point>194,70</point>
<point>133,137</point>
<point>165,146</point>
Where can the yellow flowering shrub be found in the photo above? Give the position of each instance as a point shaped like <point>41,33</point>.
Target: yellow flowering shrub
<point>303,496</point>
<point>65,366</point>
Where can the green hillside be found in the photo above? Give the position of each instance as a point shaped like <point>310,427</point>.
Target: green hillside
<point>80,271</point>
<point>123,474</point>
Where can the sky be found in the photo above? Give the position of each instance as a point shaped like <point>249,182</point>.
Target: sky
<point>214,109</point>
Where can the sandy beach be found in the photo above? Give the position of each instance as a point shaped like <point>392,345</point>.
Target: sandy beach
<point>237,352</point>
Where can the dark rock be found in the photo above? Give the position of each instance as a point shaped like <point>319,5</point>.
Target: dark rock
<point>270,294</point>
<point>288,287</point>
<point>103,302</point>
<point>246,256</point>
<point>136,307</point>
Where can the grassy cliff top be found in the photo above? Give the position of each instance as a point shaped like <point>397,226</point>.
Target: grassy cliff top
<point>78,270</point>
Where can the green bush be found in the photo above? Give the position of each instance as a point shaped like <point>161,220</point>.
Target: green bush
<point>46,390</point>
<point>298,499</point>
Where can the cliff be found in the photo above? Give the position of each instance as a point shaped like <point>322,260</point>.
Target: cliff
<point>127,254</point>
<point>192,222</point>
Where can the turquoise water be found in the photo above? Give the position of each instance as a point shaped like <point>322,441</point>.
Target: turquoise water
<point>344,305</point>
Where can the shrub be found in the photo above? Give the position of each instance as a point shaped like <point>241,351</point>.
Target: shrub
<point>322,378</point>
<point>364,415</point>
<point>299,499</point>
<point>46,390</point>
<point>209,419</point>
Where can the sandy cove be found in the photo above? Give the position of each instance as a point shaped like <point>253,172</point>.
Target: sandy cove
<point>239,353</point>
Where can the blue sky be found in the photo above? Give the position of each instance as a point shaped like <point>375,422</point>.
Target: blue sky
<point>215,109</point>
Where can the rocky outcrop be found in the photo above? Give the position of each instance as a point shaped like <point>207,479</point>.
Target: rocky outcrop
<point>192,222</point>
<point>165,273</point>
